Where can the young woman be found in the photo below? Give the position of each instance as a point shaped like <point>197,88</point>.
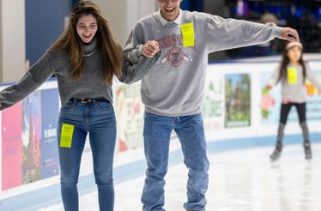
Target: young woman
<point>84,59</point>
<point>292,74</point>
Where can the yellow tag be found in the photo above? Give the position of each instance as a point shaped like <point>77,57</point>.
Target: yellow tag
<point>188,34</point>
<point>292,75</point>
<point>67,131</point>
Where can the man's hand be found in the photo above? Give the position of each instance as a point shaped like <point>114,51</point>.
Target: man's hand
<point>150,49</point>
<point>289,34</point>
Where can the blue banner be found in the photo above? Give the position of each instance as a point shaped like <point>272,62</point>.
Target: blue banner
<point>49,119</point>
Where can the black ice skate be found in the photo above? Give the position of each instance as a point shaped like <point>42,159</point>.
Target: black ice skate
<point>279,143</point>
<point>277,152</point>
<point>307,151</point>
<point>306,143</point>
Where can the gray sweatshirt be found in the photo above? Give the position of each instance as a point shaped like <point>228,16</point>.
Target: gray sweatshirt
<point>175,86</point>
<point>90,85</point>
<point>294,90</point>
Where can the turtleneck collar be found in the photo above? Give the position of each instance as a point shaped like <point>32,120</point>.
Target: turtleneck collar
<point>89,48</point>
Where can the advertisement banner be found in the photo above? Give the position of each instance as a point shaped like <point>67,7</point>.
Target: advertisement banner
<point>213,106</point>
<point>12,151</point>
<point>129,112</point>
<point>49,121</point>
<point>31,137</point>
<point>237,100</point>
<point>270,101</point>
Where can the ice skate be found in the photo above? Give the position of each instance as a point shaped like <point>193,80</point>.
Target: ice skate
<point>277,152</point>
<point>307,151</point>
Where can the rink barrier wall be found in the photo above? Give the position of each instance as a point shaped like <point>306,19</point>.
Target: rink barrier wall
<point>50,195</point>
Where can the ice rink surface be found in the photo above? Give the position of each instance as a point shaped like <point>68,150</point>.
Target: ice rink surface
<point>242,180</point>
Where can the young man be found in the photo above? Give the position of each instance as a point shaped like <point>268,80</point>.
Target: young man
<point>173,89</point>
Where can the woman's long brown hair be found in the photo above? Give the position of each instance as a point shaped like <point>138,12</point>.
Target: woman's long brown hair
<point>285,62</point>
<point>71,42</point>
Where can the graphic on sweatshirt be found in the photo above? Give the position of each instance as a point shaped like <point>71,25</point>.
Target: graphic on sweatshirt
<point>175,52</point>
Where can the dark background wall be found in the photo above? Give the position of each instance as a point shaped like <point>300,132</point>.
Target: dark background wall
<point>193,5</point>
<point>44,23</point>
<point>305,16</point>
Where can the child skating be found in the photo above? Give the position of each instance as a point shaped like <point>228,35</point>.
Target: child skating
<point>292,74</point>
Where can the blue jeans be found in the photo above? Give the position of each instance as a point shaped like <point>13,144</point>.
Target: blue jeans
<point>97,119</point>
<point>190,131</point>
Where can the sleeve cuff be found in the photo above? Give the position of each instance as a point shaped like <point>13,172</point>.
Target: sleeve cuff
<point>140,50</point>
<point>276,30</point>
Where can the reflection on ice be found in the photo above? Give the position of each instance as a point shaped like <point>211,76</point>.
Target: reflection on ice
<point>243,180</point>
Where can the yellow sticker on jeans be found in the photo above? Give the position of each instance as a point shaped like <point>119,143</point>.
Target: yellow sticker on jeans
<point>67,132</point>
<point>188,34</point>
<point>292,75</point>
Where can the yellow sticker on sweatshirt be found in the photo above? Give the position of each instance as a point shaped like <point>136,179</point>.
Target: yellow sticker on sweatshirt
<point>188,34</point>
<point>67,131</point>
<point>292,75</point>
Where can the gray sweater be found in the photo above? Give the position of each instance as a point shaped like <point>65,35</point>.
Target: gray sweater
<point>294,91</point>
<point>90,85</point>
<point>175,86</point>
